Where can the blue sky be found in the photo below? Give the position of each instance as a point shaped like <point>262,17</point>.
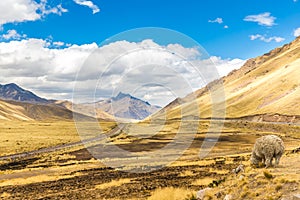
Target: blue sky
<point>80,26</point>
<point>43,43</point>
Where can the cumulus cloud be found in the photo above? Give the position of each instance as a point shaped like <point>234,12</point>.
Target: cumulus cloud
<point>145,69</point>
<point>26,10</point>
<point>12,34</point>
<point>224,66</point>
<point>32,64</point>
<point>266,39</point>
<point>297,32</point>
<point>58,44</point>
<point>217,20</point>
<point>89,4</point>
<point>46,9</point>
<point>263,19</point>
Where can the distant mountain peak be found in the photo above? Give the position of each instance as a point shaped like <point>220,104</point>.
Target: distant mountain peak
<point>121,95</point>
<point>127,106</point>
<point>12,85</point>
<point>14,92</point>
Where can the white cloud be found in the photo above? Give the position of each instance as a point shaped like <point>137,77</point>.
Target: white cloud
<point>12,34</point>
<point>46,9</point>
<point>266,39</point>
<point>146,69</point>
<point>18,11</point>
<point>263,19</point>
<point>58,44</point>
<point>217,20</point>
<point>226,26</point>
<point>32,64</point>
<point>12,11</point>
<point>297,32</point>
<point>225,66</point>
<point>89,4</point>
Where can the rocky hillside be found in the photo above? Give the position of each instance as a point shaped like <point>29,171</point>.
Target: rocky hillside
<point>266,87</point>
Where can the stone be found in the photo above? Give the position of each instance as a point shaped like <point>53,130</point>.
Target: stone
<point>241,177</point>
<point>296,197</point>
<point>228,197</point>
<point>201,193</point>
<point>239,169</point>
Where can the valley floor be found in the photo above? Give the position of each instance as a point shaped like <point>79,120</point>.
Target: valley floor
<point>72,173</point>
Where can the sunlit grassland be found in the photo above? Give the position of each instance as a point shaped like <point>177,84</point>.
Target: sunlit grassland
<point>18,136</point>
<point>67,166</point>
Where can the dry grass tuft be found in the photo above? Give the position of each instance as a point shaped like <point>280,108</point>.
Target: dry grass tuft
<point>5,195</point>
<point>113,183</point>
<point>278,187</point>
<point>204,181</point>
<point>268,175</point>
<point>186,173</point>
<point>171,193</point>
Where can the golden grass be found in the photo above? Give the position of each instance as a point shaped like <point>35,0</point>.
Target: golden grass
<point>218,171</point>
<point>171,193</point>
<point>262,184</point>
<point>186,173</point>
<point>36,174</point>
<point>232,149</point>
<point>5,195</point>
<point>35,179</point>
<point>204,181</point>
<point>18,136</point>
<point>113,183</point>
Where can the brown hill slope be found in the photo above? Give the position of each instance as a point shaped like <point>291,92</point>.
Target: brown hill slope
<point>265,86</point>
<point>87,110</point>
<point>13,110</point>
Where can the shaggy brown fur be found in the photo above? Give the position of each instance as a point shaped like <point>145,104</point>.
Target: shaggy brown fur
<point>266,148</point>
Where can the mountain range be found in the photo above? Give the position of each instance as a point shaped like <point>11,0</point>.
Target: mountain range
<point>18,103</point>
<point>265,88</point>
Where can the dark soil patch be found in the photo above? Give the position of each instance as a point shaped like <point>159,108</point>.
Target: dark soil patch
<point>18,164</point>
<point>140,186</point>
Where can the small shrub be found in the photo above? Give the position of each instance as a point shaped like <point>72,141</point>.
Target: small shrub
<point>283,180</point>
<point>261,165</point>
<point>261,182</point>
<point>216,183</point>
<point>191,197</point>
<point>278,187</point>
<point>268,175</point>
<point>208,197</point>
<point>244,194</point>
